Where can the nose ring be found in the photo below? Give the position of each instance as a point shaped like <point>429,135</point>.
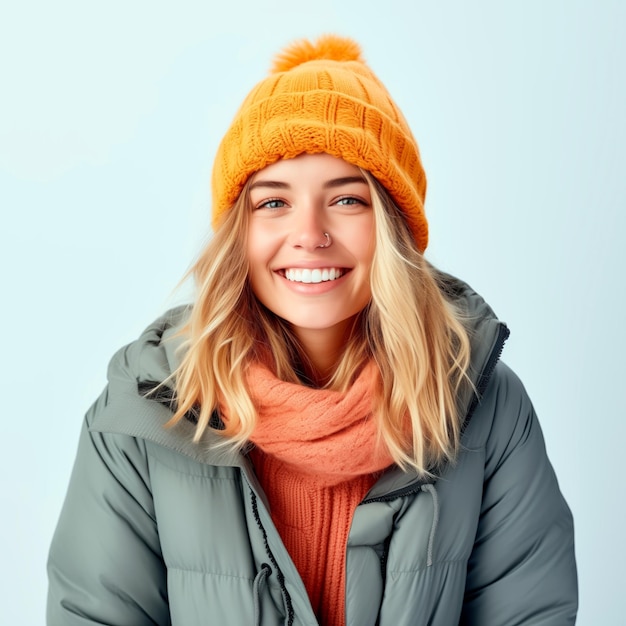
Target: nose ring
<point>328,241</point>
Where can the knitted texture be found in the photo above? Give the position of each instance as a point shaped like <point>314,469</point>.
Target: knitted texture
<point>322,98</point>
<point>316,456</point>
<point>313,520</point>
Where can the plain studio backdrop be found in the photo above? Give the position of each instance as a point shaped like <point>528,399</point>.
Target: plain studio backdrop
<point>110,115</point>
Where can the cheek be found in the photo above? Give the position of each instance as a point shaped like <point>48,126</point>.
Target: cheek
<point>364,239</point>
<point>260,252</point>
<point>255,248</point>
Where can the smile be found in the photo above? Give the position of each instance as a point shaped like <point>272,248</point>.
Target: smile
<point>305,275</point>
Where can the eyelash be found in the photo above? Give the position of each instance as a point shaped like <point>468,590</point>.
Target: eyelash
<point>263,205</point>
<point>356,201</point>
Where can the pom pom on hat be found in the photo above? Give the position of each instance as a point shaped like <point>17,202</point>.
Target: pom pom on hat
<point>321,97</point>
<point>327,47</point>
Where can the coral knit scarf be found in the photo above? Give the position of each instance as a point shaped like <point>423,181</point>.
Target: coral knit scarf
<point>316,457</point>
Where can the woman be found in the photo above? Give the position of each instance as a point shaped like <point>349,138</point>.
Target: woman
<point>327,435</point>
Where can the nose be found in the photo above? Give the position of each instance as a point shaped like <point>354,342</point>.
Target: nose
<point>308,228</point>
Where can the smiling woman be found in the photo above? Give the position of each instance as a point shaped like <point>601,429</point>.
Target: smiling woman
<point>327,435</point>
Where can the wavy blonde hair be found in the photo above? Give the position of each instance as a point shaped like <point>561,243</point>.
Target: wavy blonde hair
<point>413,333</point>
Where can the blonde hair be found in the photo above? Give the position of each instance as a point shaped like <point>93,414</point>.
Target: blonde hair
<point>413,333</point>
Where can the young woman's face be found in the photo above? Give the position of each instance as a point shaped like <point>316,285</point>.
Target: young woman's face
<point>316,283</point>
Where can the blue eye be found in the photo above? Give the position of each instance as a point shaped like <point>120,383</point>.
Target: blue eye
<point>272,203</point>
<point>349,201</point>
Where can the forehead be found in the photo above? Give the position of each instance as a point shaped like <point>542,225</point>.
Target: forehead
<point>316,166</point>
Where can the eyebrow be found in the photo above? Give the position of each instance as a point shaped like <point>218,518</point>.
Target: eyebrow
<point>329,184</point>
<point>346,180</point>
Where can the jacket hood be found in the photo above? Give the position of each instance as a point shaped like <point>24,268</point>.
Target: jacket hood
<point>153,357</point>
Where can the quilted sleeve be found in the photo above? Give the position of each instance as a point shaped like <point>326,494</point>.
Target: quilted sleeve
<point>522,569</point>
<point>105,564</point>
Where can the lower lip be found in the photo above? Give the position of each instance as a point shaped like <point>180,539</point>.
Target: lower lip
<point>313,289</point>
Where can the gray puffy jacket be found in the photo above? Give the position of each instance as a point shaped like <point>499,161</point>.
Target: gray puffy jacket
<point>158,530</point>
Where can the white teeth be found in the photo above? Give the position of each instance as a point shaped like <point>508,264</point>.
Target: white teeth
<point>305,275</point>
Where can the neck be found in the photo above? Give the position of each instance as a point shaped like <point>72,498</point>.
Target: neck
<point>323,350</point>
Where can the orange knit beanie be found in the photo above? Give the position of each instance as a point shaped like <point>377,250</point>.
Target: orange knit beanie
<point>322,97</point>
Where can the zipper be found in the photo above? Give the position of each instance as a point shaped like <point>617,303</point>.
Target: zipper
<point>398,493</point>
<point>485,376</point>
<point>279,574</point>
<point>494,357</point>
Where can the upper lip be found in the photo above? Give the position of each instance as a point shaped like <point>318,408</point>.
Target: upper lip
<point>311,265</point>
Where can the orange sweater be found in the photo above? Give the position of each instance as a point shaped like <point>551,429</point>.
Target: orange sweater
<point>313,520</point>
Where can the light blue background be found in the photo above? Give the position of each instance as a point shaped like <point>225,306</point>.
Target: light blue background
<point>110,114</point>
